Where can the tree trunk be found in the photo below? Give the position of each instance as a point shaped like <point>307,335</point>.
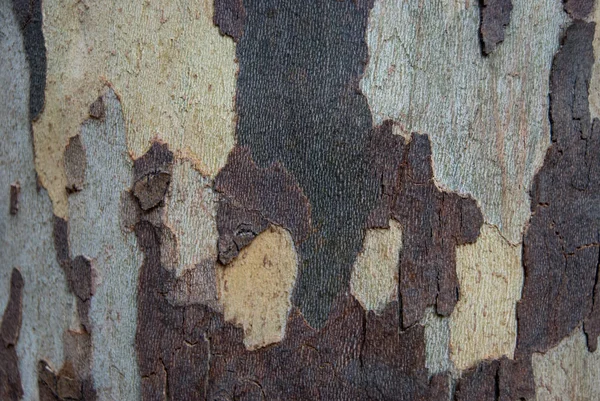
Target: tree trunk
<point>298,200</point>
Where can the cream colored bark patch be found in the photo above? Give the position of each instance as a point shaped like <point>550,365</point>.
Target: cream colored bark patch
<point>255,288</point>
<point>568,372</point>
<point>594,91</point>
<point>374,280</point>
<point>174,74</point>
<point>483,324</point>
<point>487,117</point>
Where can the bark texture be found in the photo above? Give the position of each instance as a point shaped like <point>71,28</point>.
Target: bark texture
<point>273,199</point>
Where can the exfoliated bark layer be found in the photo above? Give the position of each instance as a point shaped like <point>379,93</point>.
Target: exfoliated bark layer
<point>251,198</point>
<point>299,104</point>
<point>189,352</point>
<point>433,222</point>
<point>578,9</point>
<point>29,16</point>
<point>561,247</point>
<point>75,164</point>
<point>498,380</point>
<point>10,377</point>
<point>15,190</point>
<point>229,16</point>
<point>495,17</point>
<point>96,110</point>
<point>152,175</point>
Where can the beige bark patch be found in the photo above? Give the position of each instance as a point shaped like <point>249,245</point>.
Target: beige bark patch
<point>568,371</point>
<point>255,288</point>
<point>483,324</point>
<point>374,280</point>
<point>594,91</point>
<point>173,71</point>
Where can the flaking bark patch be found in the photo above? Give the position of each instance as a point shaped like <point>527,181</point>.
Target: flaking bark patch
<point>10,377</point>
<point>251,198</point>
<point>97,109</point>
<point>499,380</point>
<point>75,164</point>
<point>579,9</point>
<point>495,16</point>
<point>433,222</point>
<point>561,245</point>
<point>29,16</point>
<point>15,190</point>
<point>190,352</point>
<point>229,16</point>
<point>152,175</point>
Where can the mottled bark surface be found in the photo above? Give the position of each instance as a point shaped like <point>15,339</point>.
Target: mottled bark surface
<point>317,225</point>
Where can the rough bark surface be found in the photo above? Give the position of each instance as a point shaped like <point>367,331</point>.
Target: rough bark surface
<point>371,208</point>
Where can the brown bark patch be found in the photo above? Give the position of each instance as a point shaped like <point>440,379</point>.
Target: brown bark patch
<point>74,381</point>
<point>433,222</point>
<point>499,380</point>
<point>152,175</point>
<point>561,247</point>
<point>10,378</point>
<point>29,15</point>
<point>495,17</point>
<point>229,16</point>
<point>578,9</point>
<point>15,190</point>
<point>253,197</point>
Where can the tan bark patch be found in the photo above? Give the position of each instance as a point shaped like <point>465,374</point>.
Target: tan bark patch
<point>173,71</point>
<point>483,325</point>
<point>255,288</point>
<point>374,280</point>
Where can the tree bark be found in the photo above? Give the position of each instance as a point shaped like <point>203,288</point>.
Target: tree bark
<point>282,200</point>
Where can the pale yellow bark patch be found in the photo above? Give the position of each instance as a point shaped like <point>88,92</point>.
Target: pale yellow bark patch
<point>567,372</point>
<point>483,324</point>
<point>173,71</point>
<point>374,280</point>
<point>255,288</point>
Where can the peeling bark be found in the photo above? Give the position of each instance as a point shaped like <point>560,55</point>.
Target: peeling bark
<point>30,19</point>
<point>10,377</point>
<point>495,16</point>
<point>434,222</point>
<point>251,198</point>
